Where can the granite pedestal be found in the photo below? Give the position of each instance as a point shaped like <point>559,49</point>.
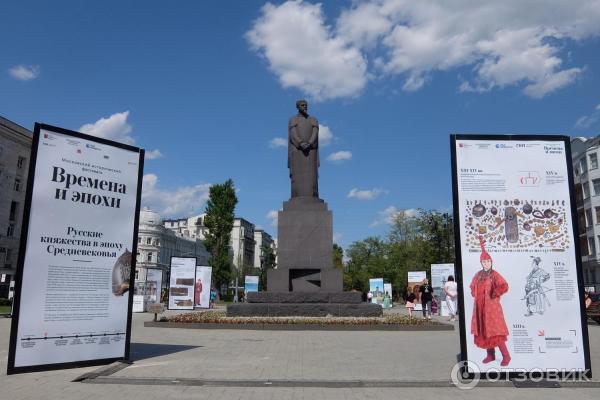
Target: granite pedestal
<point>305,282</point>
<point>304,304</point>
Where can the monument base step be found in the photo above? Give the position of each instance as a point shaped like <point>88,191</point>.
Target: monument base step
<point>304,310</point>
<point>305,297</point>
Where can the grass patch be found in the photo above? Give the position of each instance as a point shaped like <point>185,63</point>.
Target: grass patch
<point>5,309</point>
<point>219,317</point>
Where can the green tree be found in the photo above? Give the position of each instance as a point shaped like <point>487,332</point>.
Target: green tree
<point>338,256</point>
<point>414,242</point>
<point>268,262</point>
<point>220,210</point>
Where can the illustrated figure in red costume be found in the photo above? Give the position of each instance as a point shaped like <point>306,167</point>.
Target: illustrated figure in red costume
<point>488,325</point>
<point>197,292</point>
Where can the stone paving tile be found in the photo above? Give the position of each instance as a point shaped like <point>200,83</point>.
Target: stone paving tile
<point>222,354</point>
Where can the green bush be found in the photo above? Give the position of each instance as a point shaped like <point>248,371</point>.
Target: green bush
<point>6,302</point>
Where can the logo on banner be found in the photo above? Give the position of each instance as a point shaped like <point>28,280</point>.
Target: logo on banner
<point>529,178</point>
<point>553,149</point>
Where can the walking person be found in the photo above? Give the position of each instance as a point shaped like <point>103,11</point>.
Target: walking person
<point>410,302</point>
<point>451,291</point>
<point>426,296</point>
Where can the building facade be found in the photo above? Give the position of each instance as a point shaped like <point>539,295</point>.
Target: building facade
<point>245,240</point>
<point>157,244</point>
<point>262,240</point>
<point>586,172</point>
<point>242,243</point>
<point>15,152</point>
<point>192,227</point>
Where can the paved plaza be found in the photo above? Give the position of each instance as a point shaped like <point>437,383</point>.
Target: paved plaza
<point>247,364</point>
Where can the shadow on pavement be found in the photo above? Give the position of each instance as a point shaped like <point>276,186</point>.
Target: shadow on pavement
<point>140,351</point>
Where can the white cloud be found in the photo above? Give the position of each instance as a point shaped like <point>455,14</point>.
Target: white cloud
<point>325,135</point>
<point>340,156</point>
<point>114,127</point>
<point>118,129</point>
<point>588,121</point>
<point>181,201</point>
<point>387,216</point>
<point>337,236</point>
<point>505,43</point>
<point>273,216</point>
<point>303,53</point>
<point>278,142</point>
<point>365,194</point>
<point>24,72</point>
<point>153,155</point>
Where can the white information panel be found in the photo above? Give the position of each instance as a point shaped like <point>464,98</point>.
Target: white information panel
<point>520,278</point>
<point>181,284</point>
<point>153,285</point>
<point>439,277</point>
<point>75,285</point>
<point>415,279</point>
<point>202,287</point>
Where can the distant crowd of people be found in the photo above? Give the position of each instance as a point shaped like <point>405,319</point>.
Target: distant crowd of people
<point>424,294</point>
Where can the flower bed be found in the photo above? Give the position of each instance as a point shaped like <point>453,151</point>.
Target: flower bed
<point>217,317</point>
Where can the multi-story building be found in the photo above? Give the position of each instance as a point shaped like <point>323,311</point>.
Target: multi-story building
<point>242,243</point>
<point>192,227</point>
<point>15,151</point>
<point>585,154</point>
<point>262,240</point>
<point>157,244</point>
<point>245,241</point>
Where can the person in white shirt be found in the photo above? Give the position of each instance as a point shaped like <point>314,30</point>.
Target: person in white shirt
<point>451,291</point>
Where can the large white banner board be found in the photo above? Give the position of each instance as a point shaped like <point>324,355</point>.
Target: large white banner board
<point>415,279</point>
<point>439,277</point>
<point>153,285</point>
<point>518,264</point>
<point>202,286</point>
<point>73,298</point>
<point>181,284</point>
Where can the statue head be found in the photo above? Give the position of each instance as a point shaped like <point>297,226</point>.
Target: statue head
<point>302,106</point>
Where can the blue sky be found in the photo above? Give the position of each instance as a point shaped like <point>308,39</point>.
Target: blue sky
<point>207,89</point>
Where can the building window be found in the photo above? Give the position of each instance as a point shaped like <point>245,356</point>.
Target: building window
<point>149,256</point>
<point>592,246</point>
<point>583,165</point>
<point>588,218</point>
<point>586,190</point>
<point>139,239</point>
<point>593,161</point>
<point>10,230</point>
<point>17,185</point>
<point>2,254</point>
<point>596,184</point>
<point>20,162</point>
<point>149,240</point>
<point>13,211</point>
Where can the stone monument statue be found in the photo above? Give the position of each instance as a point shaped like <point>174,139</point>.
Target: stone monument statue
<point>305,282</point>
<point>303,152</point>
